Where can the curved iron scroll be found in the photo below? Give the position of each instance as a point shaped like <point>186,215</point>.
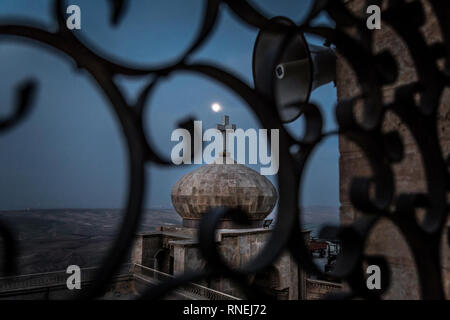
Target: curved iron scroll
<point>373,71</point>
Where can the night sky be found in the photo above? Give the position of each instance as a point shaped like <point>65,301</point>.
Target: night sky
<point>69,153</point>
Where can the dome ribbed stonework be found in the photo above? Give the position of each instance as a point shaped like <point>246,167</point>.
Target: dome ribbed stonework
<point>223,185</point>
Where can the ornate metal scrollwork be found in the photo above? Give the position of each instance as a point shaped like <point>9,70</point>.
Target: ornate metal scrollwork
<point>381,150</point>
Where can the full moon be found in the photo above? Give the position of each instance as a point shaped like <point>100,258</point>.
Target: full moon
<point>216,107</point>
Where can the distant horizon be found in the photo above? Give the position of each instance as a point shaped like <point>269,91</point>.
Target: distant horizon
<point>148,208</point>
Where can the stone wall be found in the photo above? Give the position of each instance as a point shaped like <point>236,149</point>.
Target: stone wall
<point>317,289</point>
<point>155,249</point>
<point>238,248</point>
<point>145,246</point>
<point>386,239</point>
<point>187,257</point>
<point>52,286</point>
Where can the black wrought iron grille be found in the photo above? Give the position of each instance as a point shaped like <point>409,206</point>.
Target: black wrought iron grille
<point>382,150</point>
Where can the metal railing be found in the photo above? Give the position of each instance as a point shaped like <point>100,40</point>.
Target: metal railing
<point>192,288</point>
<point>48,279</point>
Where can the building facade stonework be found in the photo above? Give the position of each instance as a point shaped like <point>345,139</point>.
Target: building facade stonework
<point>385,239</point>
<point>174,250</point>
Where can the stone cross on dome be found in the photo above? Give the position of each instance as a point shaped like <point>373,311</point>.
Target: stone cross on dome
<point>223,127</point>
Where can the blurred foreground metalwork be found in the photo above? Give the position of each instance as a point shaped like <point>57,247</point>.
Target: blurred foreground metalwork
<point>415,104</point>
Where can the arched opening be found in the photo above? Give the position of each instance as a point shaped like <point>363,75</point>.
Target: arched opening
<point>163,261</point>
<point>269,282</point>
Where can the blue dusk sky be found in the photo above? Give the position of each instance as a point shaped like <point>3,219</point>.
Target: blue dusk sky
<point>70,153</point>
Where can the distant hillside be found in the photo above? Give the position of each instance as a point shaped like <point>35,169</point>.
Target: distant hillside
<point>315,217</point>
<point>320,214</point>
<point>51,240</point>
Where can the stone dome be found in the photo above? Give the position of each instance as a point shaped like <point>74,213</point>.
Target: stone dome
<point>223,185</point>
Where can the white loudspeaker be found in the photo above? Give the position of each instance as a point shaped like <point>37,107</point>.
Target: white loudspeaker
<point>286,69</point>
